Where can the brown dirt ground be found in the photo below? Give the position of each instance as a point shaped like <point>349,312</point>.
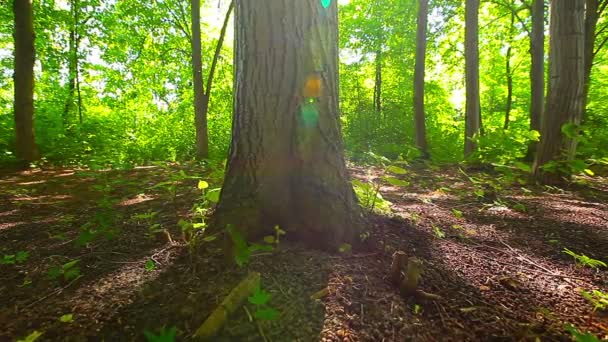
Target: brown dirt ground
<point>502,273</point>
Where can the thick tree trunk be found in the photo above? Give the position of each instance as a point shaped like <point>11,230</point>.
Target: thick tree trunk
<point>26,149</point>
<point>200,118</point>
<point>473,106</point>
<point>419,70</point>
<point>537,71</point>
<point>286,164</point>
<point>378,82</point>
<point>565,96</point>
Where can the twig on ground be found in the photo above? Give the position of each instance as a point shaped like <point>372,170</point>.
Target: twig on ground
<point>55,292</point>
<point>521,257</point>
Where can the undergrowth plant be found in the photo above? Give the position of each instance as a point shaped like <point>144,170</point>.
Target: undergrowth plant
<point>584,260</point>
<point>242,250</point>
<point>260,299</point>
<point>368,193</point>
<point>66,272</point>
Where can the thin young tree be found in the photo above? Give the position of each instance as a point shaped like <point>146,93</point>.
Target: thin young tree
<point>537,70</point>
<point>473,106</point>
<point>419,71</point>
<point>200,119</point>
<point>286,165</point>
<point>202,94</point>
<point>564,106</point>
<point>25,51</point>
<point>593,12</point>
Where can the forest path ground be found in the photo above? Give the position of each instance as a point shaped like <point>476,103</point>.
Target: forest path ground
<point>497,260</point>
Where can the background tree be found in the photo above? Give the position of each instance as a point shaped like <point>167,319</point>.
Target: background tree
<point>200,119</point>
<point>419,71</point>
<point>595,39</point>
<point>24,81</point>
<point>473,106</point>
<point>564,107</point>
<point>286,164</point>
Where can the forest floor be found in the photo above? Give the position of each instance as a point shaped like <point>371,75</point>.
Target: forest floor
<point>496,258</point>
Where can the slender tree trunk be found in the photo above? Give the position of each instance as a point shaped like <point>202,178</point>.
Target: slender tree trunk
<point>73,67</point>
<point>537,71</point>
<point>26,149</point>
<point>473,106</point>
<point>565,96</point>
<point>593,11</point>
<point>200,119</point>
<point>509,76</point>
<point>71,79</point>
<point>419,71</point>
<point>216,57</point>
<point>286,164</point>
<point>378,82</point>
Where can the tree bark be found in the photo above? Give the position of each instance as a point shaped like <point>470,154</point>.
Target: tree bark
<point>537,71</point>
<point>378,82</point>
<point>509,73</point>
<point>419,71</point>
<point>565,94</point>
<point>200,119</point>
<point>73,67</point>
<point>26,149</point>
<point>286,165</point>
<point>473,106</point>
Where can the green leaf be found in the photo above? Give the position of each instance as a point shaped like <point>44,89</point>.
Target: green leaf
<point>345,248</point>
<point>54,272</point>
<point>69,265</point>
<point>21,256</point>
<point>31,337</point>
<point>581,337</point>
<point>589,172</point>
<point>396,181</point>
<point>259,297</point>
<point>72,273</point>
<point>457,213</point>
<point>269,239</point>
<point>163,336</point>
<point>210,238</point>
<point>259,247</point>
<point>213,195</point>
<point>266,314</point>
<point>396,170</point>
<point>150,265</point>
<point>67,318</point>
<point>570,130</point>
<point>7,259</point>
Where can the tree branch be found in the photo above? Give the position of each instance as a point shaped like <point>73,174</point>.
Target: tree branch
<point>218,48</point>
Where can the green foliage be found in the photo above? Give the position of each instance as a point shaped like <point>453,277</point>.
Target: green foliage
<point>439,233</point>
<point>579,336</point>
<point>597,298</point>
<point>584,260</point>
<point>67,318</point>
<point>164,335</point>
<point>263,311</point>
<point>149,265</point>
<point>12,259</point>
<point>242,250</point>
<point>68,271</point>
<point>31,337</point>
